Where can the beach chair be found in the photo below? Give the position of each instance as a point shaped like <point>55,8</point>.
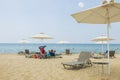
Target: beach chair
<point>111,54</point>
<point>27,51</point>
<point>28,54</point>
<point>82,61</point>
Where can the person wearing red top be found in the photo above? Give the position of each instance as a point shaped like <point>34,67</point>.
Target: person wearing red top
<point>37,55</point>
<point>42,51</point>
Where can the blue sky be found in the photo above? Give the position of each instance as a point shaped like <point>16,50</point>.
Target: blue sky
<point>21,19</point>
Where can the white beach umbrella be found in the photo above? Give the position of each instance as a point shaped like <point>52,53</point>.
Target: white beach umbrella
<point>42,36</point>
<point>102,40</point>
<point>63,42</point>
<point>106,13</point>
<point>23,41</point>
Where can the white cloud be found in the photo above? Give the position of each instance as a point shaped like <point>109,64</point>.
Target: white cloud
<point>81,4</point>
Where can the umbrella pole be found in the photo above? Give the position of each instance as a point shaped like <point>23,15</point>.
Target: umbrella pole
<point>108,46</point>
<point>41,41</point>
<point>102,48</point>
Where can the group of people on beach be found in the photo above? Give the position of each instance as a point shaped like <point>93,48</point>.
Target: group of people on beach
<point>43,54</point>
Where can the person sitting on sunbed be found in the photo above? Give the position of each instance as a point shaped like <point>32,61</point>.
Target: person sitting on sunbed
<point>37,55</point>
<point>52,52</point>
<point>42,51</point>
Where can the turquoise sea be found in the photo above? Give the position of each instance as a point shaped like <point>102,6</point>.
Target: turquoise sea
<point>60,48</point>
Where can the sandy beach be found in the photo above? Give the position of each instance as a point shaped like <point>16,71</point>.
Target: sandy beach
<point>17,67</point>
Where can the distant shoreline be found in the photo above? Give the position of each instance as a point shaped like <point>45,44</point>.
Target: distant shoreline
<point>60,48</point>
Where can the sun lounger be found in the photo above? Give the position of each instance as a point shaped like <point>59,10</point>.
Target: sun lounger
<point>52,54</point>
<point>56,56</point>
<point>82,61</point>
<point>29,54</point>
<point>111,54</point>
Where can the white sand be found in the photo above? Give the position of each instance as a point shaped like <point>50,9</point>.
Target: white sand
<point>17,67</point>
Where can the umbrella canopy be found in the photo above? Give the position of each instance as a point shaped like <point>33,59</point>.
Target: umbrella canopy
<point>63,42</point>
<point>23,41</point>
<point>42,36</point>
<point>107,13</point>
<point>102,40</point>
<point>103,14</point>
